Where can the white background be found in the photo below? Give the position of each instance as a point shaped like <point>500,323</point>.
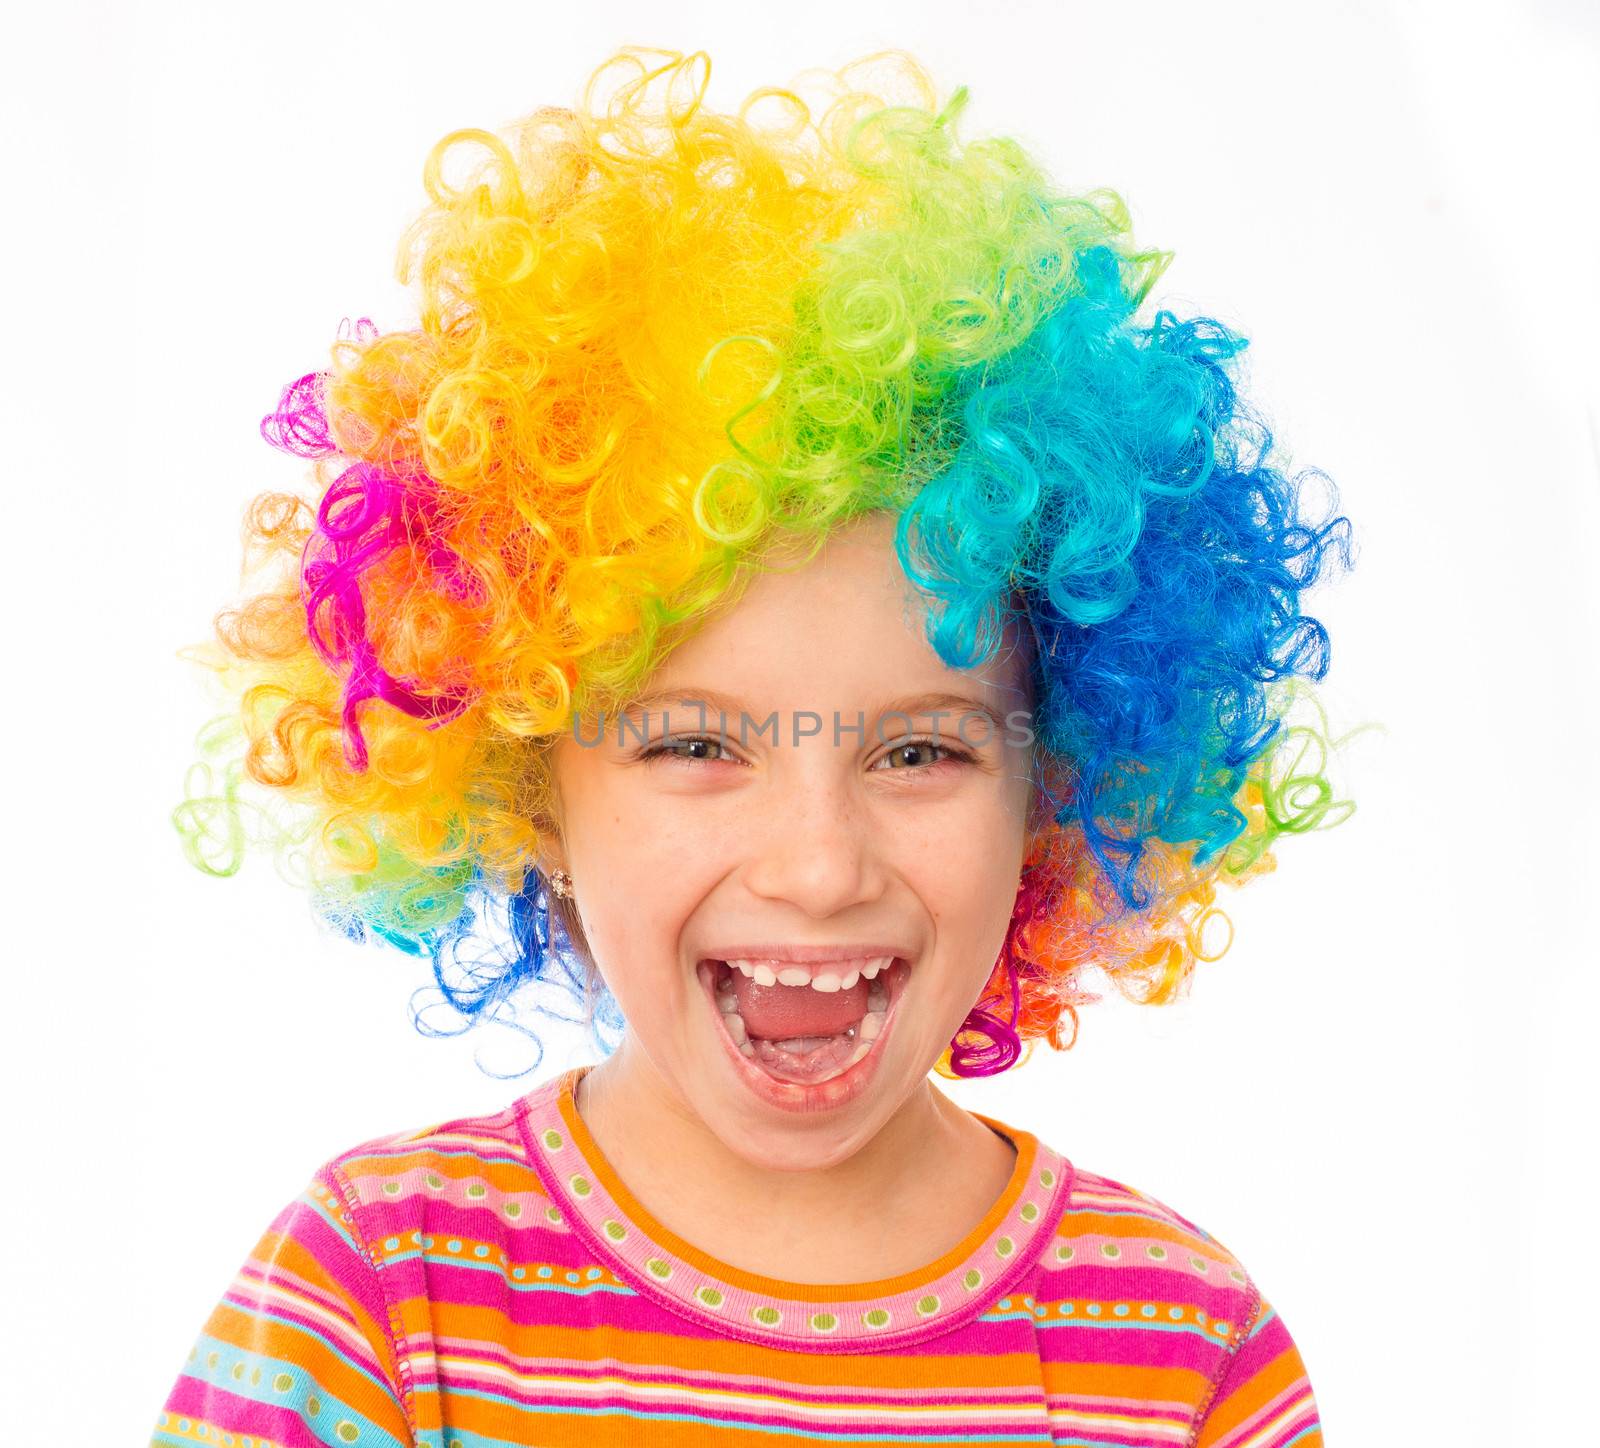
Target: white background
<point>1378,1098</point>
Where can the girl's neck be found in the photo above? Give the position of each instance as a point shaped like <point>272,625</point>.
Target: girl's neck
<point>940,1167</point>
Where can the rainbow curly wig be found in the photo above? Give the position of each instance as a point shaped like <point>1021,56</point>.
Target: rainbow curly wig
<point>653,340</point>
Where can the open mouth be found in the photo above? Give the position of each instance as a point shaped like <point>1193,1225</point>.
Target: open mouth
<point>811,1026</point>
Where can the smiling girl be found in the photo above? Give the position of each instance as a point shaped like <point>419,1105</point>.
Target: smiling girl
<point>782,593</point>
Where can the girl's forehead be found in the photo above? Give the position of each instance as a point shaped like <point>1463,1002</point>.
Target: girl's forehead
<point>848,619</point>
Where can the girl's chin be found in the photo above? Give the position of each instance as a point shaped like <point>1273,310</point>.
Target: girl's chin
<point>763,1076</point>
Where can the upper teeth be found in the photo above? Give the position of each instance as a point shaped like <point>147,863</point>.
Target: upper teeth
<point>823,976</point>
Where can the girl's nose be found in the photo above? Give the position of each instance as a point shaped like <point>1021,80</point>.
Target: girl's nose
<point>814,847</point>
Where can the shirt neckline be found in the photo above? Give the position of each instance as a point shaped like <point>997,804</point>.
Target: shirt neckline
<point>597,1206</point>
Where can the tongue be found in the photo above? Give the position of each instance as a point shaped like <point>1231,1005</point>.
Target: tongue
<point>780,1012</point>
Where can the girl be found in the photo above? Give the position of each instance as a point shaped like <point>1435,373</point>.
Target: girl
<point>780,595</point>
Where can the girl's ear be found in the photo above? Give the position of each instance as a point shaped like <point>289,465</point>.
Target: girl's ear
<point>549,859</point>
<point>548,853</point>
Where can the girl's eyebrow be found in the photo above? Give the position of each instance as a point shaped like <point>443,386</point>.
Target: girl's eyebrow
<point>913,705</point>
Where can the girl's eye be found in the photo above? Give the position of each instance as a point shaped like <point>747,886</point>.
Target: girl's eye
<point>698,743</point>
<point>910,754</point>
<point>920,752</point>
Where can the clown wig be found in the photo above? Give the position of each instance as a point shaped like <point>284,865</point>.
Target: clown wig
<point>654,342</point>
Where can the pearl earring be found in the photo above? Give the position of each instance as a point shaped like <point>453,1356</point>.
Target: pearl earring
<point>561,884</point>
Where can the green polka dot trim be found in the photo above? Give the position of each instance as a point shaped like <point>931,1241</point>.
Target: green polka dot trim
<point>580,1191</point>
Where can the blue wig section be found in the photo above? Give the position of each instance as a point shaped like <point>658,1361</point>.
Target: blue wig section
<point>533,952</point>
<point>1112,492</point>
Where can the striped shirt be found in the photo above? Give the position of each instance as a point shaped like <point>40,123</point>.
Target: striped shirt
<point>489,1280</point>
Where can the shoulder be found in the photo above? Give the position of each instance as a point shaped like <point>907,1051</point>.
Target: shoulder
<point>1123,1215</point>
<point>1122,1242</point>
<point>1127,1279</point>
<point>1151,1308</point>
<point>393,1181</point>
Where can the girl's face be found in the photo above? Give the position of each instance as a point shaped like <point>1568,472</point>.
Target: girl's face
<point>836,827</point>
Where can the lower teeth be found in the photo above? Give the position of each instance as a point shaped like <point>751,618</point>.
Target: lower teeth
<point>782,1060</point>
<point>804,1045</point>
